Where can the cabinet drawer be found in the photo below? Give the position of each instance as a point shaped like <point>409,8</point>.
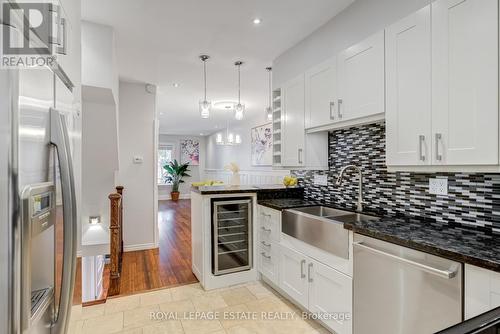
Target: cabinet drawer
<point>270,223</point>
<point>268,262</point>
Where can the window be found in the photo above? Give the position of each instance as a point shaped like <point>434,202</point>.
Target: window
<point>165,155</point>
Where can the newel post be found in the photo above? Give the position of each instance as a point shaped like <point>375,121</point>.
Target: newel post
<point>114,226</point>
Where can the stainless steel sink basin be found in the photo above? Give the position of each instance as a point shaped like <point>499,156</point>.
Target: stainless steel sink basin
<point>322,227</point>
<point>322,211</point>
<point>353,218</point>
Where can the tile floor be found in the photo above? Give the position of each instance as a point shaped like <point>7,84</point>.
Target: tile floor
<point>184,309</point>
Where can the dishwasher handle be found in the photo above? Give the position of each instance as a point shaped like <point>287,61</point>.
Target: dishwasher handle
<point>447,274</point>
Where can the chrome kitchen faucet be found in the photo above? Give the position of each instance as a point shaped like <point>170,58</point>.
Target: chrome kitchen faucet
<point>338,182</point>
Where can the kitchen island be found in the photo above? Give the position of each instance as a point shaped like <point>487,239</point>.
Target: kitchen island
<point>224,231</point>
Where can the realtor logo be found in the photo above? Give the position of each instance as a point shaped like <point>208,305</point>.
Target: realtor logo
<point>27,34</point>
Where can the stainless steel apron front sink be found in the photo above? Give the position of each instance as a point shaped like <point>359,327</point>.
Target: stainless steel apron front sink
<point>321,227</point>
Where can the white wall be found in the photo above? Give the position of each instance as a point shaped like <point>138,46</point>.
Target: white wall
<point>99,67</point>
<point>358,21</point>
<point>137,138</point>
<point>99,164</point>
<point>196,172</point>
<point>219,156</point>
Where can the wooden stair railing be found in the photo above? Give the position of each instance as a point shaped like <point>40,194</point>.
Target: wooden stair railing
<point>116,232</point>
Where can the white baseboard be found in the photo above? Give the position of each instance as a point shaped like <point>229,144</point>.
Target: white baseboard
<point>138,247</point>
<point>168,198</point>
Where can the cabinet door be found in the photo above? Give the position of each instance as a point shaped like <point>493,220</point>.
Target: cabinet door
<point>321,94</point>
<point>465,82</point>
<point>293,132</point>
<point>408,90</point>
<point>331,292</point>
<point>482,290</point>
<point>361,79</point>
<point>293,275</point>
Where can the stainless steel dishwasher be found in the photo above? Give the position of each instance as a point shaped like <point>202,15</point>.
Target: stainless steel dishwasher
<point>398,290</point>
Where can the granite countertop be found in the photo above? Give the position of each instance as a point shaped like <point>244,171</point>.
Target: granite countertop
<point>449,240</point>
<point>228,189</point>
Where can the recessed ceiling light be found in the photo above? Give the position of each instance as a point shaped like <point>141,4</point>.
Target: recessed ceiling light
<point>161,114</point>
<point>201,134</point>
<point>256,21</point>
<point>176,84</point>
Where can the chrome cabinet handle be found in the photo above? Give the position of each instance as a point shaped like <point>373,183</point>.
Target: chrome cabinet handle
<point>421,140</point>
<point>300,156</point>
<point>448,274</point>
<point>265,244</point>
<point>339,103</point>
<point>309,267</point>
<point>60,139</point>
<point>332,105</point>
<point>64,39</point>
<point>302,274</point>
<point>265,229</point>
<point>439,136</point>
<point>265,255</point>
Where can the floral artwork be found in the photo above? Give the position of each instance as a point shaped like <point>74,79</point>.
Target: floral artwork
<point>262,145</point>
<point>190,151</point>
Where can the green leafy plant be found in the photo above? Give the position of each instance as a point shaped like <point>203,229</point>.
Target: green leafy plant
<point>176,172</point>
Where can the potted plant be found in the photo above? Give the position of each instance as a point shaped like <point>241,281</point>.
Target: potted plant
<point>176,172</point>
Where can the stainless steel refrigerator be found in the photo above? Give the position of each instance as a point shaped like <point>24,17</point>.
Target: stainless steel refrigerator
<point>38,218</point>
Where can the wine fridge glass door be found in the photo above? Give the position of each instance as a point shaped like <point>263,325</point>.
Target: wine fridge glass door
<point>232,236</point>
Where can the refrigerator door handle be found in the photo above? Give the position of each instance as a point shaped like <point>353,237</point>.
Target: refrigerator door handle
<point>60,139</point>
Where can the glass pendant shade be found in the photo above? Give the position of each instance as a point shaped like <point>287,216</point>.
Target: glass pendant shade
<point>269,114</point>
<point>239,111</point>
<point>205,109</point>
<point>218,139</point>
<point>230,139</point>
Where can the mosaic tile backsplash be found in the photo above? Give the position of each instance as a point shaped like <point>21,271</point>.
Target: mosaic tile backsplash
<point>473,199</point>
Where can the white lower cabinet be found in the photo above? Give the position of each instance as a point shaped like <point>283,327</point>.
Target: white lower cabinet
<point>319,288</point>
<point>330,292</point>
<point>293,275</point>
<point>482,290</point>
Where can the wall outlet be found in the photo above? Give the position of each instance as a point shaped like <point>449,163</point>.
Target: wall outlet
<point>438,186</point>
<point>320,180</point>
<point>138,159</point>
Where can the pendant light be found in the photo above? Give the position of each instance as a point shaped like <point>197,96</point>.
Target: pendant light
<point>239,109</point>
<point>269,109</point>
<point>229,139</point>
<point>204,104</point>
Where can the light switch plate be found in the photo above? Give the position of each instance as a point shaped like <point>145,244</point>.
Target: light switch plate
<point>320,180</point>
<point>438,186</point>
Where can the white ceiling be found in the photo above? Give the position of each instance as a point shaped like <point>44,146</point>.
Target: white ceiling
<point>159,41</point>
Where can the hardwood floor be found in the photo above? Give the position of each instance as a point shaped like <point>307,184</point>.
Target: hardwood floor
<point>167,266</point>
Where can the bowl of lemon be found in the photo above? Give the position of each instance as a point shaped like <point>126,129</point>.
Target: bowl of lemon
<point>289,181</point>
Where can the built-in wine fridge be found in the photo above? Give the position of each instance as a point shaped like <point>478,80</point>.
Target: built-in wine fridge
<point>231,235</point>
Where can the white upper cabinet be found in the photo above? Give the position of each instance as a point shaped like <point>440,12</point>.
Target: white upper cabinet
<point>293,123</point>
<point>465,82</point>
<point>321,94</point>
<point>361,79</point>
<point>408,89</point>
